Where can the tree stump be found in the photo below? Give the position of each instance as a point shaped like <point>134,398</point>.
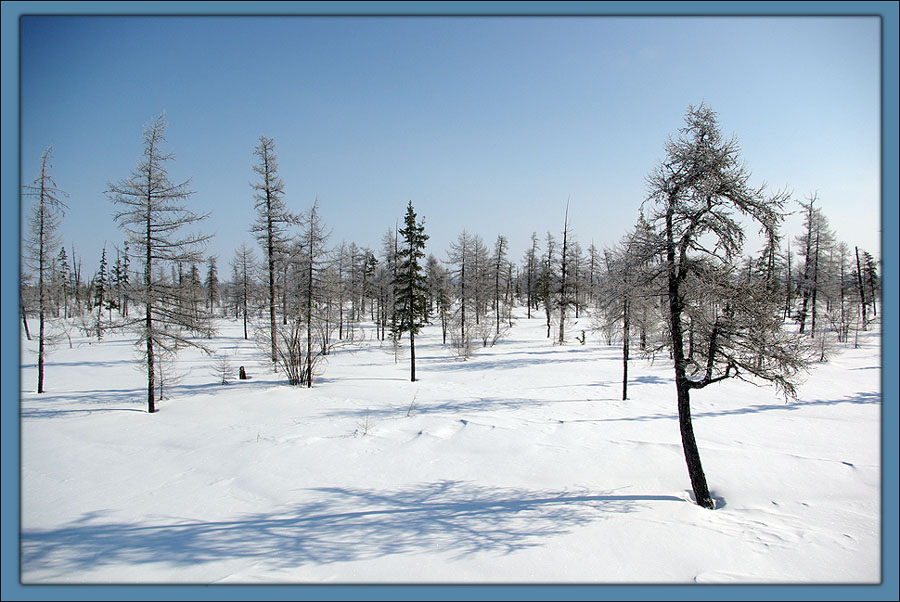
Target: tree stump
<point>242,374</point>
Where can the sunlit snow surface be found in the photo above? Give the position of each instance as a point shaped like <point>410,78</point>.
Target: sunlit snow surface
<point>521,464</point>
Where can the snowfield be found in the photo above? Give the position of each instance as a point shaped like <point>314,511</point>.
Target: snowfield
<point>520,465</point>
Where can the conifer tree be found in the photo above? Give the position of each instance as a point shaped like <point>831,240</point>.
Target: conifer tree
<point>272,222</point>
<point>151,210</point>
<point>242,266</point>
<point>314,256</point>
<point>64,277</point>
<point>531,263</point>
<point>212,284</point>
<point>101,286</point>
<point>696,191</point>
<point>410,286</point>
<point>41,239</point>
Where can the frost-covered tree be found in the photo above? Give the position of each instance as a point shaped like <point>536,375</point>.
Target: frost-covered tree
<point>531,262</point>
<point>243,265</point>
<point>212,284</point>
<point>547,280</point>
<point>460,256</point>
<point>410,285</point>
<point>626,290</point>
<point>440,292</point>
<point>499,264</point>
<point>272,223</point>
<point>563,293</point>
<point>814,246</point>
<point>867,284</point>
<point>384,279</point>
<point>151,210</point>
<point>314,258</point>
<point>41,241</point>
<point>695,193</point>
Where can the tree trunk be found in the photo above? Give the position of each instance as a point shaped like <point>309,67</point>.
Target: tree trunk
<point>625,343</point>
<point>25,321</point>
<point>862,290</point>
<point>689,443</point>
<point>412,356</point>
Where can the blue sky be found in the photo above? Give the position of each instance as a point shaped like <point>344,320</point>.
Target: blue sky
<point>488,124</point>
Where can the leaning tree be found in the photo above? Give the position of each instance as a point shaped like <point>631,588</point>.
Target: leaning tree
<point>698,194</point>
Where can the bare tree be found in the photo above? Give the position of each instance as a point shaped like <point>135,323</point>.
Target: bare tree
<point>531,261</point>
<point>272,222</point>
<point>563,298</point>
<point>40,243</point>
<point>626,289</point>
<point>815,244</point>
<point>500,263</point>
<point>314,257</point>
<point>151,211</point>
<point>460,256</point>
<point>695,192</point>
<point>242,266</point>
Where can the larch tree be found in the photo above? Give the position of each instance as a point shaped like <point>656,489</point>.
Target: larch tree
<point>531,260</point>
<point>695,193</point>
<point>815,245</point>
<point>440,293</point>
<point>271,225</point>
<point>547,279</point>
<point>410,285</point>
<point>242,266</point>
<point>313,254</point>
<point>499,262</point>
<point>212,284</point>
<point>460,257</point>
<point>151,210</point>
<point>41,242</point>
<point>625,290</point>
<point>563,293</point>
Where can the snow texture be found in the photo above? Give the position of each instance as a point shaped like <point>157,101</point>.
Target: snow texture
<point>519,465</point>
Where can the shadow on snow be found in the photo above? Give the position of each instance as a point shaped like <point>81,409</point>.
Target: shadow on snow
<point>338,525</point>
<point>867,397</point>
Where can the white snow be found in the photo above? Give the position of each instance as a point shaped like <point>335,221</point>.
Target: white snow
<point>519,465</point>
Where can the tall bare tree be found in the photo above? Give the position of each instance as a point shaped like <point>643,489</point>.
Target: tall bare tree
<point>242,265</point>
<point>40,244</point>
<point>314,254</point>
<point>151,210</point>
<point>272,223</point>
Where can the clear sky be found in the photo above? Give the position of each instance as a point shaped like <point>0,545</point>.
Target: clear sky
<point>486,123</point>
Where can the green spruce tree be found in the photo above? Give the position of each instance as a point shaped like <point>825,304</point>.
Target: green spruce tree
<point>410,285</point>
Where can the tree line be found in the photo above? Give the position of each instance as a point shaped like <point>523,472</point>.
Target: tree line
<point>678,282</point>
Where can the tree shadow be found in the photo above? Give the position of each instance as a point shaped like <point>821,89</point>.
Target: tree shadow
<point>865,397</point>
<point>450,406</point>
<point>91,400</point>
<point>32,413</point>
<point>510,361</point>
<point>649,380</point>
<point>336,525</point>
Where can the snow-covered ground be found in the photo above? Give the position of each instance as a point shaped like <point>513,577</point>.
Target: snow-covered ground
<point>521,464</point>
